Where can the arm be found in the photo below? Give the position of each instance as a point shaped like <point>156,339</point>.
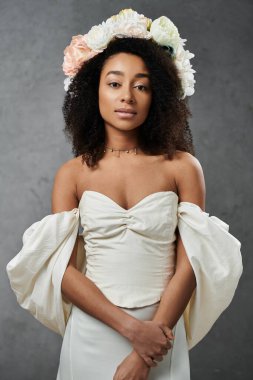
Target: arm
<point>146,337</point>
<point>191,188</point>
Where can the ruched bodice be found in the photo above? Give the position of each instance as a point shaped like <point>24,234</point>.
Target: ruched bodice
<point>130,253</point>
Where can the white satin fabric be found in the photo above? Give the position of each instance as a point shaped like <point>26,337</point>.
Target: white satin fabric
<point>130,256</point>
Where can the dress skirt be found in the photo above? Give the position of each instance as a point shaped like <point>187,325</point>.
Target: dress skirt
<point>92,350</point>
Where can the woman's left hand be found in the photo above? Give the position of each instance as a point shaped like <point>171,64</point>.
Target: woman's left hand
<point>133,367</point>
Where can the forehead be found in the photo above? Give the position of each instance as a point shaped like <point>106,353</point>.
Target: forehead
<point>125,63</point>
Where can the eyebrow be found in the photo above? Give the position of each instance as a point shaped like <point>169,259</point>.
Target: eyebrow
<point>138,75</point>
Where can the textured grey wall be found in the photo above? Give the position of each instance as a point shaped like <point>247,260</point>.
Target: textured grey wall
<point>33,36</point>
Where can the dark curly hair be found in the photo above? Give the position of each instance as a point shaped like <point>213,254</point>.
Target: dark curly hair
<point>166,128</point>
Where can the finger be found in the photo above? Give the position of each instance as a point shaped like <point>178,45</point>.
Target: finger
<point>161,351</point>
<point>168,332</point>
<point>149,361</point>
<point>158,358</point>
<point>164,330</point>
<point>164,351</point>
<point>168,344</point>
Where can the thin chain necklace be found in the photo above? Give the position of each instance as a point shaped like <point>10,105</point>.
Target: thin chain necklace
<point>121,150</point>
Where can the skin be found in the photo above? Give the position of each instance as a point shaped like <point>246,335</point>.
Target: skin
<point>130,175</point>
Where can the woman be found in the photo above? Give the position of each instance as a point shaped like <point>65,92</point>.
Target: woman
<point>138,303</point>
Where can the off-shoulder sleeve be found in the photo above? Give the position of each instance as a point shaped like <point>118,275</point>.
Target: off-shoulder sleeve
<point>215,256</point>
<point>36,272</point>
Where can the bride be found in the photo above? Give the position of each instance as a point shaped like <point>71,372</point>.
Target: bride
<point>147,291</point>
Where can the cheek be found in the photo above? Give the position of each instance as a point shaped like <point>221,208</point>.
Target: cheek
<point>105,99</point>
<point>102,100</point>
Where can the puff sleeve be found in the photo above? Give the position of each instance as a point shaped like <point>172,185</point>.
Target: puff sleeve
<point>216,260</point>
<point>36,272</point>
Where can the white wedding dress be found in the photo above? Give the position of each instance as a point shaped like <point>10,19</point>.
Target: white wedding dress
<point>130,256</point>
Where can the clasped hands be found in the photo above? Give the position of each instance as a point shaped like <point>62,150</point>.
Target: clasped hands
<point>150,341</point>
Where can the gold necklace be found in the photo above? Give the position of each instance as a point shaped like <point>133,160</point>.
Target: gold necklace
<point>121,150</point>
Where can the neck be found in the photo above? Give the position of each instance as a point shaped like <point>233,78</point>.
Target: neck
<point>119,139</point>
<point>121,144</point>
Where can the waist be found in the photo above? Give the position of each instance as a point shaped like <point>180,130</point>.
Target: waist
<point>131,278</point>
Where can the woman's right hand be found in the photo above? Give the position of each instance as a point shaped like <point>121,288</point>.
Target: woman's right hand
<point>151,340</point>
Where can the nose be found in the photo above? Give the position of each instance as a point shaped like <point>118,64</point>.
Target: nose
<point>127,96</point>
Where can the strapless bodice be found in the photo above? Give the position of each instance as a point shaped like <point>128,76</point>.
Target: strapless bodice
<point>130,253</point>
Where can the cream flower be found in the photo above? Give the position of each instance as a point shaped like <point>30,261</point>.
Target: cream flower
<point>129,23</point>
<point>98,37</point>
<point>126,16</point>
<point>182,61</point>
<point>128,29</point>
<point>165,33</point>
<point>75,54</point>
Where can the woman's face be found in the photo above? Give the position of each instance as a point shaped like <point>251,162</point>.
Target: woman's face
<point>124,83</point>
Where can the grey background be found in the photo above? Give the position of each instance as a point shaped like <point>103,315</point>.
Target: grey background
<point>33,35</point>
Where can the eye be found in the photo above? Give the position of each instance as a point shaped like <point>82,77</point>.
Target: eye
<point>113,83</point>
<point>144,87</point>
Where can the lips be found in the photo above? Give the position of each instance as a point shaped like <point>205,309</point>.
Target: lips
<point>125,110</point>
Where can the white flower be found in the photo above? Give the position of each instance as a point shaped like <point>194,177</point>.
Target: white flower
<point>128,29</point>
<point>128,15</point>
<point>67,82</point>
<point>182,61</point>
<point>165,33</point>
<point>130,24</point>
<point>98,37</point>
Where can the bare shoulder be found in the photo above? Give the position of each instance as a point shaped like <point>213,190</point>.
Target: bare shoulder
<point>186,160</point>
<point>189,178</point>
<point>63,196</point>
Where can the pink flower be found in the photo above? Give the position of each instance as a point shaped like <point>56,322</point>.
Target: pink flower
<point>75,54</point>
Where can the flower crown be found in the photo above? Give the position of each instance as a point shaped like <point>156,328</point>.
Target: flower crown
<point>129,23</point>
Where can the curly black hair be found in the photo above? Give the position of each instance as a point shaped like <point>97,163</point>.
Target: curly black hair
<point>166,128</point>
